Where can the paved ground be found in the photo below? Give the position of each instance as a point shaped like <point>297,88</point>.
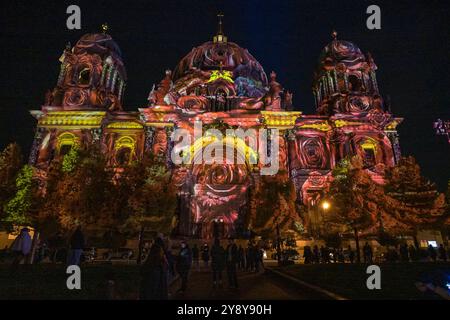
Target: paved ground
<point>252,286</point>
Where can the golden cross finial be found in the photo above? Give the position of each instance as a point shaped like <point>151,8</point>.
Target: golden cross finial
<point>219,30</point>
<point>105,28</point>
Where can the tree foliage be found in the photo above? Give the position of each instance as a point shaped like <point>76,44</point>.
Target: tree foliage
<point>411,198</point>
<point>11,161</point>
<point>17,208</point>
<point>78,190</point>
<point>154,200</point>
<point>273,203</point>
<point>406,202</point>
<point>70,160</point>
<point>349,192</point>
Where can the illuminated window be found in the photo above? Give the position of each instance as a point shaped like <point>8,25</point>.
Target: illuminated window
<point>124,150</point>
<point>369,153</point>
<point>65,142</point>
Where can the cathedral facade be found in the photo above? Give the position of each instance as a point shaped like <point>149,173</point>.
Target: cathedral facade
<point>220,86</point>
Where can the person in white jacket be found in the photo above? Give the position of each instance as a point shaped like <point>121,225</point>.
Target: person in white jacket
<point>21,247</point>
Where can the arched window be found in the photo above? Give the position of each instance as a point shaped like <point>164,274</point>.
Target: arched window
<point>124,150</point>
<point>354,83</point>
<point>123,156</point>
<point>65,149</point>
<point>66,141</point>
<point>84,75</point>
<point>369,149</point>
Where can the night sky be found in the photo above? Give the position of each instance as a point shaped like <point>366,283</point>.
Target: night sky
<point>412,51</point>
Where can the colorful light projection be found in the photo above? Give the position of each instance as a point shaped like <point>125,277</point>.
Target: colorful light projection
<point>221,74</point>
<point>222,85</point>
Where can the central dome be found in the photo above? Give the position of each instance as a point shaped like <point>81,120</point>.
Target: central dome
<point>225,56</point>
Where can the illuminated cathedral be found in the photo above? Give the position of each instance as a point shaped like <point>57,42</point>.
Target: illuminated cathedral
<point>221,85</point>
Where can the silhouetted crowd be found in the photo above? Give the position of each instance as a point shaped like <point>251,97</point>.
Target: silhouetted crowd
<point>161,266</point>
<point>403,253</point>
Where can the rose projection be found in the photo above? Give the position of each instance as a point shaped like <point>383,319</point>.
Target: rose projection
<point>220,194</point>
<point>221,86</point>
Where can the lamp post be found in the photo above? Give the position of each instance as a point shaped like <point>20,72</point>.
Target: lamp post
<point>278,244</point>
<point>325,206</point>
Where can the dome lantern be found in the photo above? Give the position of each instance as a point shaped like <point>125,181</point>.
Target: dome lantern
<point>220,37</point>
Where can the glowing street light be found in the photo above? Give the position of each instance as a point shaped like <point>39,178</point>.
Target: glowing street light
<point>325,205</point>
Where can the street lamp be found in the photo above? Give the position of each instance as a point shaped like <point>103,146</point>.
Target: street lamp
<point>326,205</point>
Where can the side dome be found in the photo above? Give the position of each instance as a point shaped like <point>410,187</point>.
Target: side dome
<point>92,75</point>
<point>344,80</point>
<point>340,51</point>
<point>103,45</point>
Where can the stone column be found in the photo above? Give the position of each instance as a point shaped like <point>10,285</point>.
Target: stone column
<point>114,80</point>
<point>374,81</point>
<point>35,147</point>
<point>290,138</point>
<point>170,144</point>
<point>62,73</point>
<point>394,138</point>
<point>149,135</point>
<point>336,82</point>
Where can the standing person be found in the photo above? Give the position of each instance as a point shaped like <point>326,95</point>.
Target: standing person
<point>333,255</point>
<point>412,252</point>
<point>351,254</point>
<point>184,263</point>
<point>205,255</point>
<point>249,261</point>
<point>261,257</point>
<point>432,253</point>
<point>238,259</point>
<point>196,256</point>
<point>76,247</point>
<point>341,257</point>
<point>217,262</point>
<point>241,253</point>
<point>154,274</point>
<point>307,254</point>
<point>256,257</point>
<point>442,253</point>
<point>21,247</point>
<point>316,254</point>
<point>367,251</point>
<point>404,255</point>
<point>231,256</point>
<point>252,256</point>
<point>324,254</point>
<point>168,272</point>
